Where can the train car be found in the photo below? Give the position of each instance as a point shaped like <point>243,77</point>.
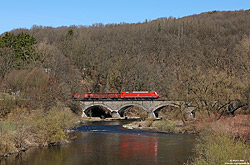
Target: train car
<point>139,95</point>
<point>86,96</point>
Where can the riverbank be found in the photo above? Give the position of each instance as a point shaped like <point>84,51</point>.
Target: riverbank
<point>237,126</point>
<point>213,136</point>
<point>18,136</point>
<point>223,141</point>
<point>22,129</point>
<point>52,129</point>
<point>121,146</point>
<point>165,125</point>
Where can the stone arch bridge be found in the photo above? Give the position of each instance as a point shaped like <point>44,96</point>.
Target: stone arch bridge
<point>117,107</point>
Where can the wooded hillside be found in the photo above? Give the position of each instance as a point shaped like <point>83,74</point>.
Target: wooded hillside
<point>207,55</point>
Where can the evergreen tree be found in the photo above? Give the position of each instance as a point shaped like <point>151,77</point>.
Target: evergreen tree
<point>22,44</point>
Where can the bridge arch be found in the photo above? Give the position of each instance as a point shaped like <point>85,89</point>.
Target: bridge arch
<point>102,111</point>
<point>116,108</point>
<point>126,106</point>
<point>158,108</point>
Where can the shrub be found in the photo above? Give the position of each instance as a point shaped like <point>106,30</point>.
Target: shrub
<point>165,125</point>
<point>218,148</point>
<point>6,138</point>
<point>51,127</point>
<point>6,144</point>
<point>7,103</point>
<point>13,132</point>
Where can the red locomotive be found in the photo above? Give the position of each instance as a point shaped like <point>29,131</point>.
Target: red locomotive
<point>123,95</point>
<point>139,95</point>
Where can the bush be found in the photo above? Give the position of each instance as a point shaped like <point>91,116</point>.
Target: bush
<point>6,137</point>
<point>165,125</point>
<point>7,103</point>
<point>6,143</point>
<point>217,148</point>
<point>22,128</point>
<point>51,127</point>
<point>13,132</point>
<point>237,126</point>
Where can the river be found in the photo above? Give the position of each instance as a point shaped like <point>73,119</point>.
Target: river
<point>108,143</point>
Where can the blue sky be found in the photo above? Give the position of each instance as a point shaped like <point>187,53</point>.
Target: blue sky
<point>26,13</point>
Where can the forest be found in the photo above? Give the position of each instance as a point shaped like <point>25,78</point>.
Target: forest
<point>202,59</point>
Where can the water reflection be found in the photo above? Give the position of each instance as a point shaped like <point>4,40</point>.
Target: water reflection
<point>110,144</point>
<point>138,147</point>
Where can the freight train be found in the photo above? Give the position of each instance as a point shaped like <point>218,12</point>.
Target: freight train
<point>116,96</point>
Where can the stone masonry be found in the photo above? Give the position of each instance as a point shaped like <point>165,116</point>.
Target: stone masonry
<point>117,107</point>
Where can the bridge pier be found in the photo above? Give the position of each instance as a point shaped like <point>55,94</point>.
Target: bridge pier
<point>84,114</point>
<point>151,115</point>
<point>115,114</point>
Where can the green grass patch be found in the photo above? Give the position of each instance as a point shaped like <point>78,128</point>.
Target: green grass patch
<point>9,125</point>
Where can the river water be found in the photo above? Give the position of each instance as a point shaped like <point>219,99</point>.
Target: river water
<point>108,143</point>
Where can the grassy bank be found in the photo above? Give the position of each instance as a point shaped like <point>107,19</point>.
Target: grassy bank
<point>22,129</point>
<point>219,148</point>
<point>223,141</point>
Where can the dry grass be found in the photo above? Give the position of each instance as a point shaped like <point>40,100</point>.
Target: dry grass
<point>237,126</point>
<point>6,142</point>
